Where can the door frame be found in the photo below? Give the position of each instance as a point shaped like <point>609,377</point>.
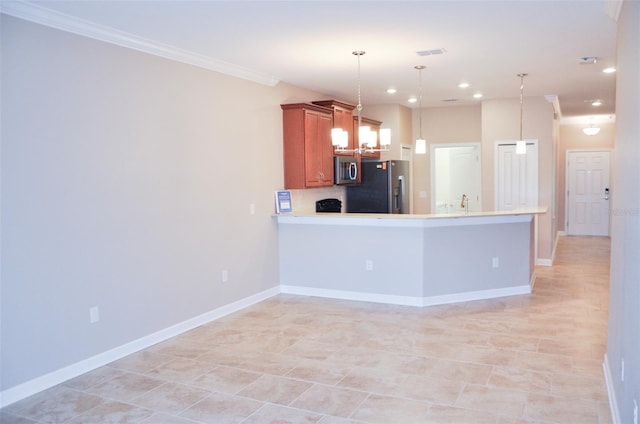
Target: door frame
<point>432,166</point>
<point>566,184</point>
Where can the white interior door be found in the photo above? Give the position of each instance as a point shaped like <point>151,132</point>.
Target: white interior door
<point>588,193</point>
<point>516,177</point>
<point>455,172</point>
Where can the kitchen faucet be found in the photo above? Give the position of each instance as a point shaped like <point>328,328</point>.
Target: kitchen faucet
<point>465,204</point>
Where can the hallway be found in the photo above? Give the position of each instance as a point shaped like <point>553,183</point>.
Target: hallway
<point>294,359</point>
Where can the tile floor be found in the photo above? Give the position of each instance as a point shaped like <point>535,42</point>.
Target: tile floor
<point>293,359</point>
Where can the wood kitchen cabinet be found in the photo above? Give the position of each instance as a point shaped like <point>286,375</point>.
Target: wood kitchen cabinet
<point>375,126</point>
<point>308,152</point>
<point>342,118</point>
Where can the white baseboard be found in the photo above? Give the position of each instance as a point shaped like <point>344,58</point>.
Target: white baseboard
<point>51,379</point>
<point>407,300</point>
<point>613,404</point>
<point>351,295</point>
<point>544,262</point>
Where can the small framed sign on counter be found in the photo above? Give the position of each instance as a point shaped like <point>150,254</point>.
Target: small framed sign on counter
<point>283,201</point>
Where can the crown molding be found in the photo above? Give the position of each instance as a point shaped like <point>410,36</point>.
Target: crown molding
<point>613,8</point>
<point>51,18</point>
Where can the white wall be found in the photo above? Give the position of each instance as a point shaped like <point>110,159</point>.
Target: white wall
<point>126,181</point>
<point>624,304</point>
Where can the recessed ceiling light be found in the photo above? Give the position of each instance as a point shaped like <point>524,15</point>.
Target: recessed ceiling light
<point>596,103</point>
<point>609,70</point>
<point>391,91</point>
<point>477,96</point>
<point>412,100</point>
<point>464,85</point>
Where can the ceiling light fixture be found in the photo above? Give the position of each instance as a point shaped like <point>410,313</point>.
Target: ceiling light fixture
<point>391,91</point>
<point>367,139</point>
<point>421,143</point>
<point>596,103</point>
<point>464,85</point>
<point>609,70</point>
<point>521,144</point>
<point>591,130</point>
<point>477,96</point>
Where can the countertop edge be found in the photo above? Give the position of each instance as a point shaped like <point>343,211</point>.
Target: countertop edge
<point>412,220</point>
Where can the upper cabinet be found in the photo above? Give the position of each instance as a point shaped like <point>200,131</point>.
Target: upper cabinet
<point>308,152</point>
<point>375,126</point>
<point>342,118</point>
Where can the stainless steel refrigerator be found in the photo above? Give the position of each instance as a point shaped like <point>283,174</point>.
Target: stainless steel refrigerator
<point>385,188</point>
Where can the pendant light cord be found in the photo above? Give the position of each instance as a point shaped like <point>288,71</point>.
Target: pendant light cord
<point>521,100</point>
<point>359,53</point>
<point>420,68</point>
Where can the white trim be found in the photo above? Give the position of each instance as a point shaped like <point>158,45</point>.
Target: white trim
<point>532,280</point>
<point>51,379</point>
<point>54,19</point>
<point>406,300</point>
<point>613,403</point>
<point>351,295</point>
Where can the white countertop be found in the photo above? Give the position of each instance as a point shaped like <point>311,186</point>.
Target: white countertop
<point>413,220</point>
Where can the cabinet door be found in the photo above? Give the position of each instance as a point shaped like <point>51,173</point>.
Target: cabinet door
<point>343,118</point>
<point>318,149</point>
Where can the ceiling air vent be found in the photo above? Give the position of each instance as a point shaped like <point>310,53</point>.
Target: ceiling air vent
<point>450,100</point>
<point>431,52</point>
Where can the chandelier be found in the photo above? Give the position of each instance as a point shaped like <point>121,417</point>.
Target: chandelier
<point>367,138</point>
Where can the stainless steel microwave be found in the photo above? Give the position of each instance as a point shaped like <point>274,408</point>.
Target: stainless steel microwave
<point>345,170</point>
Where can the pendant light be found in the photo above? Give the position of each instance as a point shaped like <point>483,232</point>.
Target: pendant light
<point>421,143</point>
<point>367,139</point>
<point>521,144</point>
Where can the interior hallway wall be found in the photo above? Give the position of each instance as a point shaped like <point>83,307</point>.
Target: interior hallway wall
<point>623,341</point>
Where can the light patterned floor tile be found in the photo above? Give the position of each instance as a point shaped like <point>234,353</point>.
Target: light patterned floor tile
<point>530,359</point>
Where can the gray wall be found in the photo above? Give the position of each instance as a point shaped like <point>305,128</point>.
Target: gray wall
<point>126,181</point>
<point>624,305</point>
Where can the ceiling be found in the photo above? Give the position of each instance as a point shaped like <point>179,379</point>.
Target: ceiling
<point>310,44</point>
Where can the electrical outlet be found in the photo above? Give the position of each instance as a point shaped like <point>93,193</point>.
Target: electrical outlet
<point>495,262</point>
<point>368,265</point>
<point>94,314</point>
<point>225,275</point>
<point>252,208</point>
<point>423,194</point>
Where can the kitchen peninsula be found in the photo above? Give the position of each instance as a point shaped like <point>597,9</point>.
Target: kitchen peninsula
<point>416,260</point>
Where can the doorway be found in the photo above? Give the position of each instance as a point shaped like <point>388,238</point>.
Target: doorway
<point>587,179</point>
<point>455,171</point>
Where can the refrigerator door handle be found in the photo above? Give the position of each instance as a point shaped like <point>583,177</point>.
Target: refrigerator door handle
<point>398,193</point>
